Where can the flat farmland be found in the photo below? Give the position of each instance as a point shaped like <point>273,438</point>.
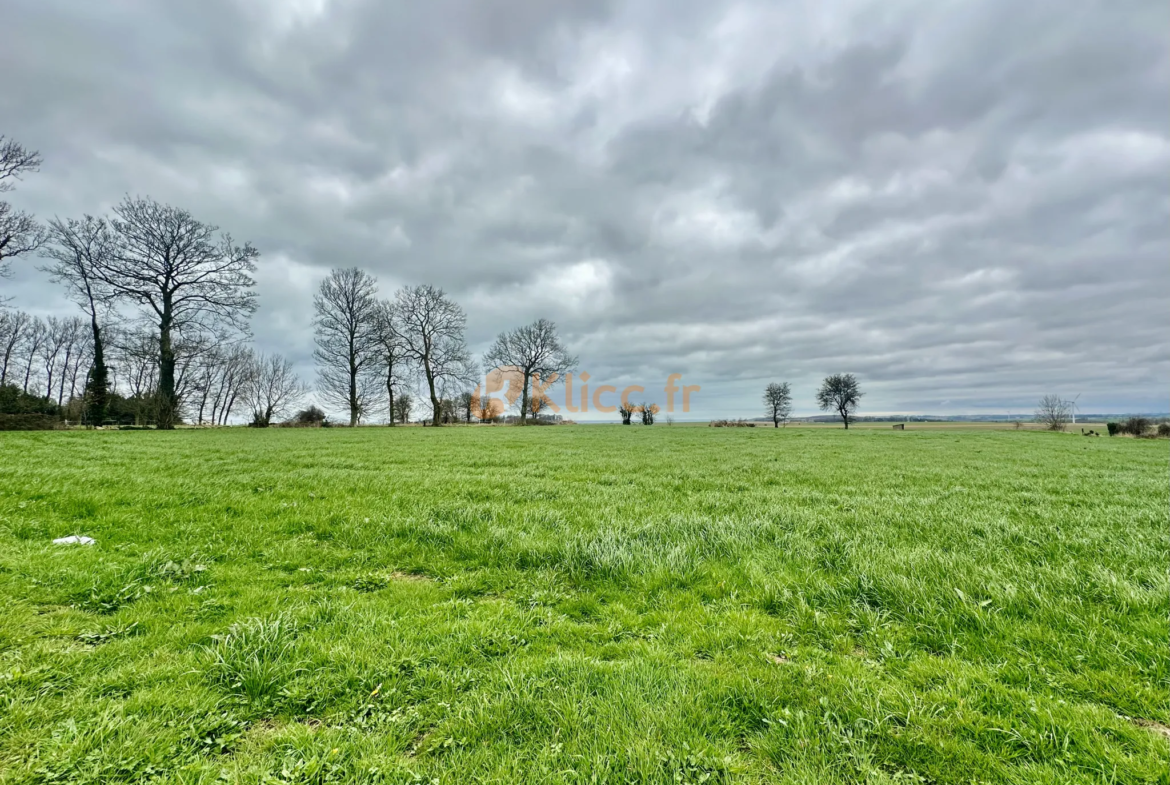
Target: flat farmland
<point>584,605</point>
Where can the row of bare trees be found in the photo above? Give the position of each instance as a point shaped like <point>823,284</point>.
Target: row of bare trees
<point>43,357</point>
<point>370,350</point>
<point>182,293</point>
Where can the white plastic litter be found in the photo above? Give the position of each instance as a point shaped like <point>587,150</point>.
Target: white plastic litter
<point>74,539</point>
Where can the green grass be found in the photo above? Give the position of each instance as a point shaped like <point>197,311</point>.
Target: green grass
<point>584,604</point>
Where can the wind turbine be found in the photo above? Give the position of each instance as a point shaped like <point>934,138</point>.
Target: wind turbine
<point>1073,406</point>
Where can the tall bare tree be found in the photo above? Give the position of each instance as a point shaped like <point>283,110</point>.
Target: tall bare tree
<point>19,232</point>
<point>536,351</point>
<point>841,393</point>
<point>79,250</point>
<point>348,340</point>
<point>1053,412</point>
<point>188,278</point>
<point>431,327</point>
<point>273,389</point>
<point>778,402</point>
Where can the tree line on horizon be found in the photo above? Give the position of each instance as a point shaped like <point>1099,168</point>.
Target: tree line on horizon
<point>166,302</point>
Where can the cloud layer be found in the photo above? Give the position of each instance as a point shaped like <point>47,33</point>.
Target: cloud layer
<point>965,204</point>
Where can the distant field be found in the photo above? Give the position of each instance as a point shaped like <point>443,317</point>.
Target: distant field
<point>584,604</point>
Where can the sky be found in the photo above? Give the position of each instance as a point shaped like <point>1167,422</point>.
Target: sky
<point>963,203</point>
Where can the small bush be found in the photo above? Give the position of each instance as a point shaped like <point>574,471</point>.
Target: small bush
<point>1164,430</point>
<point>732,424</point>
<point>1114,428</point>
<point>311,416</point>
<point>1137,426</point>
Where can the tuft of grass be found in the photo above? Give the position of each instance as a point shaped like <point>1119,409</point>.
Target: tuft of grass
<point>254,658</point>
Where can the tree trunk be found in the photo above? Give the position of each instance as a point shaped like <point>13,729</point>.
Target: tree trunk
<point>167,402</point>
<point>436,409</point>
<point>524,399</point>
<point>353,401</point>
<point>390,388</point>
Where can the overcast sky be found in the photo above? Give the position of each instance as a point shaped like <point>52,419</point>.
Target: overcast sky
<point>963,203</point>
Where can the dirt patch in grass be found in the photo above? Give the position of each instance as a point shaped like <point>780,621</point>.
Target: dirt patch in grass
<point>1156,728</point>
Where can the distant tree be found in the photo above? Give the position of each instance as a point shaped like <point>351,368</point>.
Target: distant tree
<point>430,326</point>
<point>80,249</point>
<point>537,405</point>
<point>349,343</point>
<point>778,402</point>
<point>448,411</point>
<point>466,404</point>
<point>1053,412</point>
<point>19,232</point>
<point>394,362</point>
<point>272,388</point>
<point>1163,430</point>
<point>649,411</point>
<point>1113,428</point>
<point>402,407</point>
<point>190,280</point>
<point>536,351</point>
<point>627,411</point>
<point>841,393</point>
<point>486,408</point>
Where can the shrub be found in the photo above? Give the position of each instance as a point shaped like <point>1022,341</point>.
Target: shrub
<point>30,422</point>
<point>1137,426</point>
<point>1114,428</point>
<point>311,416</point>
<point>1164,430</point>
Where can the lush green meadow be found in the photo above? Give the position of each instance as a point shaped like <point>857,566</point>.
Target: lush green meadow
<point>584,604</point>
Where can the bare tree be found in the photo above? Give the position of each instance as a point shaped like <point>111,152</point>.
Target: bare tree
<point>466,404</point>
<point>19,232</point>
<point>13,326</point>
<point>395,364</point>
<point>627,411</point>
<point>430,327</point>
<point>1053,412</point>
<point>537,405</point>
<point>346,330</point>
<point>187,278</point>
<point>486,408</point>
<point>79,250</point>
<point>649,411</point>
<point>842,393</point>
<point>273,389</point>
<point>778,403</point>
<point>34,338</point>
<point>536,351</point>
<point>231,378</point>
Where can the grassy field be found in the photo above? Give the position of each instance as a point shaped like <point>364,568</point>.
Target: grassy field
<point>584,605</point>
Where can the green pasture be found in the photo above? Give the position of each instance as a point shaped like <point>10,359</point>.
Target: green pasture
<point>598,604</point>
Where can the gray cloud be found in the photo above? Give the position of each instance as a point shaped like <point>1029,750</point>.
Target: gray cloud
<point>963,203</point>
